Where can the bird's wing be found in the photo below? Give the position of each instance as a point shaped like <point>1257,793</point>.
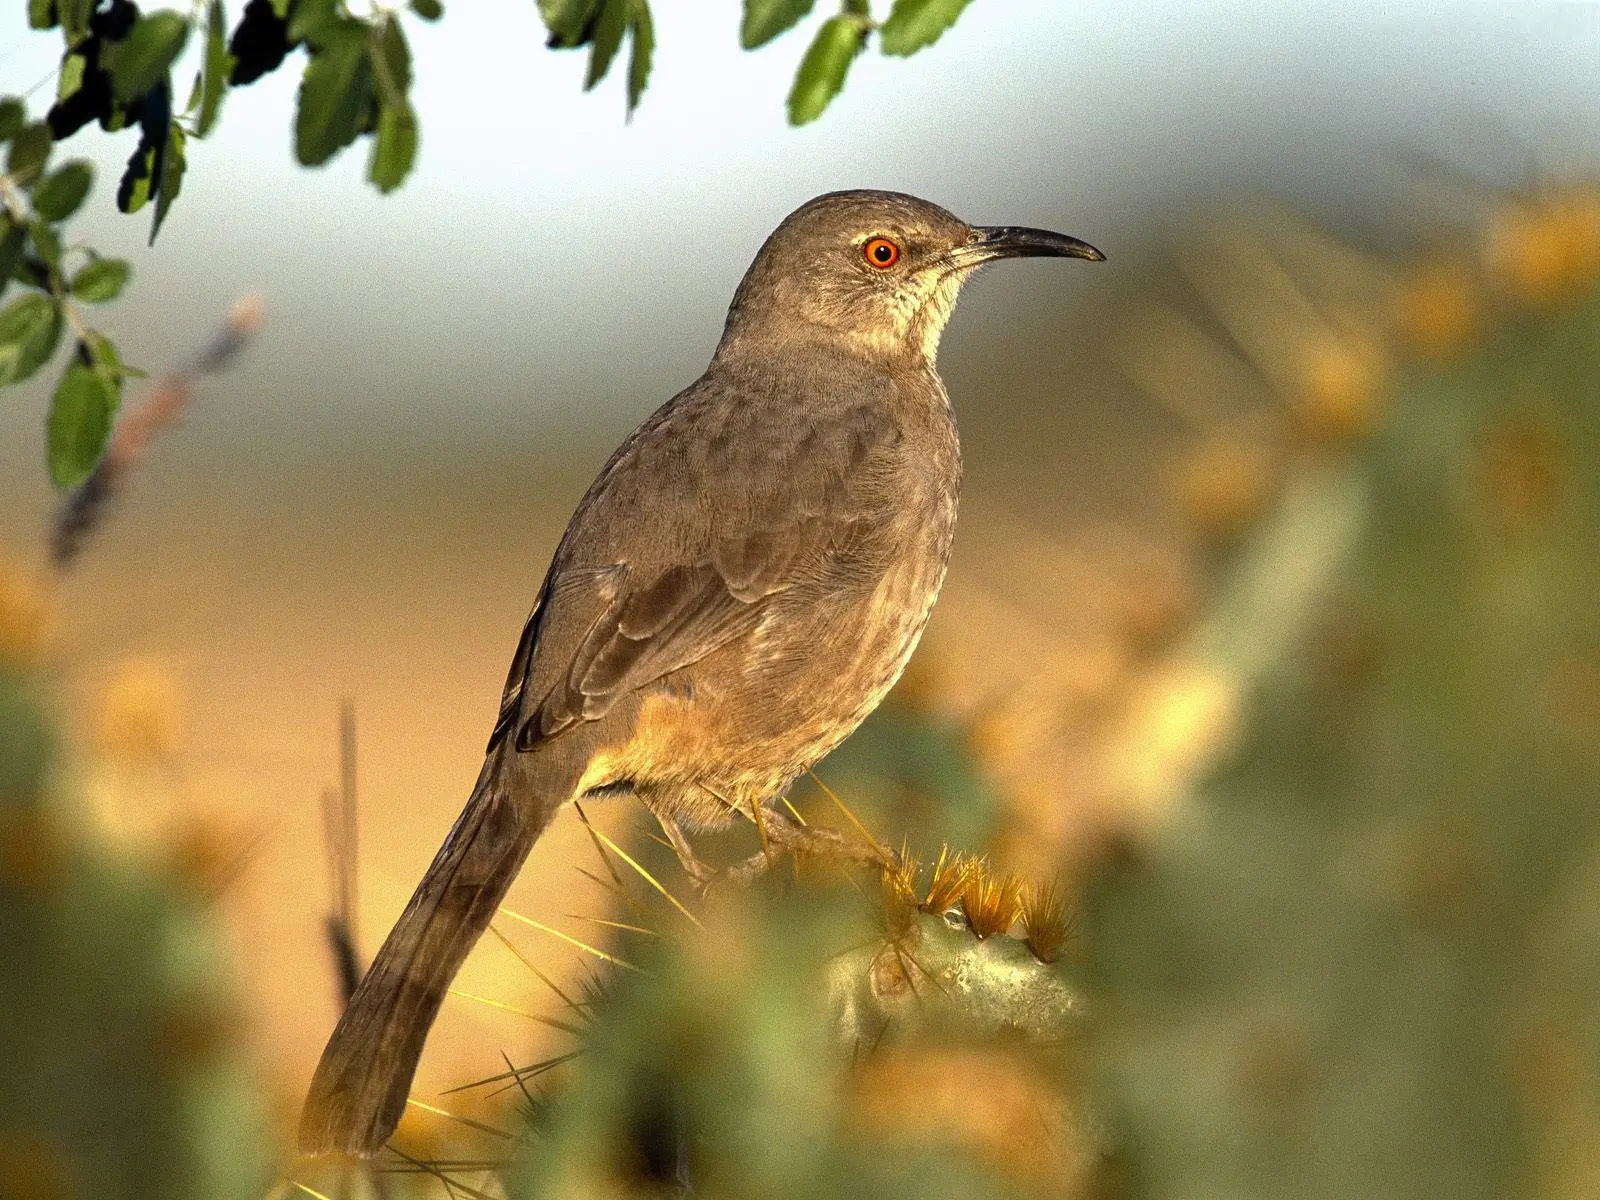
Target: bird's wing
<point>624,625</point>
<point>647,631</point>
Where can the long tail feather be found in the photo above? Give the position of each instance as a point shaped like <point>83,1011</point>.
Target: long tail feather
<point>359,1090</point>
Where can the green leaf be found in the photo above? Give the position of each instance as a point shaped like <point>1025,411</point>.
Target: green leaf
<point>913,24</point>
<point>310,18</point>
<point>766,19</point>
<point>394,148</point>
<point>641,54</point>
<point>30,150</point>
<point>30,326</point>
<point>823,69</point>
<point>336,94</point>
<point>103,358</point>
<point>13,116</point>
<point>12,244</point>
<point>116,121</point>
<point>608,31</point>
<point>568,20</point>
<point>74,69</point>
<point>391,62</point>
<point>428,10</point>
<point>216,69</point>
<point>155,169</point>
<point>80,423</point>
<point>60,193</point>
<point>46,244</point>
<point>101,279</point>
<point>133,193</point>
<point>142,59</point>
<point>42,14</point>
<point>169,176</point>
<point>74,16</point>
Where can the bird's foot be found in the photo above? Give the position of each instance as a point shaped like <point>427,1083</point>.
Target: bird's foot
<point>785,836</point>
<point>787,833</point>
<point>697,869</point>
<point>781,834</point>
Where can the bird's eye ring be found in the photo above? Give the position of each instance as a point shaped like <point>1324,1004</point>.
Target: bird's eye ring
<point>881,253</point>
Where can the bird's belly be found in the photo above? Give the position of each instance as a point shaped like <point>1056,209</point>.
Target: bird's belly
<point>814,689</point>
<point>891,629</point>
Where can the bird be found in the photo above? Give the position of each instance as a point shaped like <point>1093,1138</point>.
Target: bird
<point>740,586</point>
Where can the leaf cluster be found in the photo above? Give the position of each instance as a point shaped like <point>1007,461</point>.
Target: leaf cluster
<point>603,25</point>
<point>116,71</point>
<point>55,283</point>
<point>910,26</point>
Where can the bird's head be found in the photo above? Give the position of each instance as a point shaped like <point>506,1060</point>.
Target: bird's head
<point>879,270</point>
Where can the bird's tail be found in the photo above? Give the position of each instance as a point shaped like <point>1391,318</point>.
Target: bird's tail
<point>360,1087</point>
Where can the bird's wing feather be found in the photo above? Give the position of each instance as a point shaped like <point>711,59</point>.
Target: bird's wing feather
<point>657,624</point>
<point>799,520</point>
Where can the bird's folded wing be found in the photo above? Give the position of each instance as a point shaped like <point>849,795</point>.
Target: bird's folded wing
<point>655,626</point>
<point>810,522</point>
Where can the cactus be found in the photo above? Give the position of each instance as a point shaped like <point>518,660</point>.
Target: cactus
<point>783,1038</point>
<point>121,1075</point>
<point>791,1050</point>
<point>1359,957</point>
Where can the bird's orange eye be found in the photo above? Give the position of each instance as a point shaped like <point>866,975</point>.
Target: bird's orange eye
<point>880,252</point>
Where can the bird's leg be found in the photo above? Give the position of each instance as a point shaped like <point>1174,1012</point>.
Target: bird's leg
<point>747,872</point>
<point>779,832</point>
<point>692,865</point>
<point>756,809</point>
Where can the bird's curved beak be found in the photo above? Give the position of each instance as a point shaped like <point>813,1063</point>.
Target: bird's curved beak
<point>1015,241</point>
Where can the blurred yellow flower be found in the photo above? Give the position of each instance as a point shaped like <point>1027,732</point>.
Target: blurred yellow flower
<point>26,616</point>
<point>1340,379</point>
<point>1223,483</point>
<point>139,716</point>
<point>1547,251</point>
<point>1436,308</point>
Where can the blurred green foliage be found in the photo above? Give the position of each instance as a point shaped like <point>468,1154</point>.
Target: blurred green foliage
<point>34,202</point>
<point>910,773</point>
<point>122,1074</point>
<point>799,1048</point>
<point>1359,960</point>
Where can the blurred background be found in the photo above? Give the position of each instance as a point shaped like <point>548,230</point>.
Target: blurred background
<point>1313,217</point>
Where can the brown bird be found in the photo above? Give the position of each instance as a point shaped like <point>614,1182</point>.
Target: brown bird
<point>737,590</point>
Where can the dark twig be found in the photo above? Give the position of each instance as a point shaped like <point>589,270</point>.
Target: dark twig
<point>163,404</point>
